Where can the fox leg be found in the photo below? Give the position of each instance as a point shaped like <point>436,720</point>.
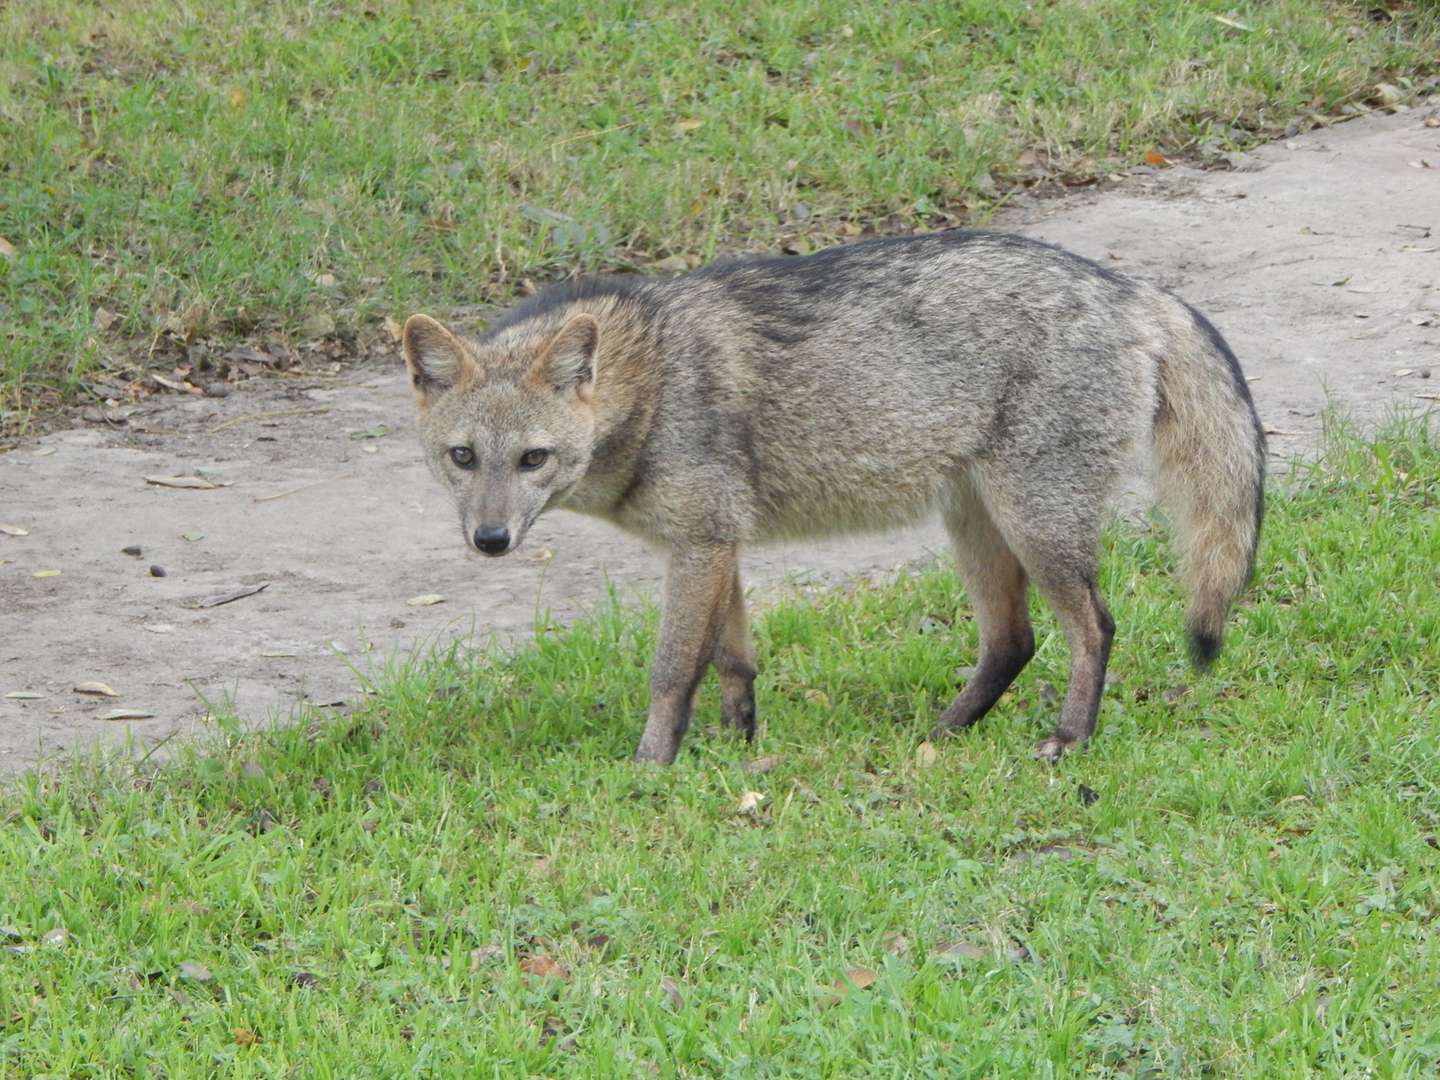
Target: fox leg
<point>1051,522</point>
<point>734,661</point>
<point>1089,630</point>
<point>698,588</point>
<point>996,584</point>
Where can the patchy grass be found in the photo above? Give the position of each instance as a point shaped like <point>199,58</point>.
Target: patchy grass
<point>175,177</point>
<point>1238,878</point>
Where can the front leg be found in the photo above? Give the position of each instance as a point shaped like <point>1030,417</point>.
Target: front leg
<point>698,588</point>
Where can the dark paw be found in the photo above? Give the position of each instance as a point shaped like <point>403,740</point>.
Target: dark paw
<point>1054,748</point>
<point>951,723</point>
<point>740,718</point>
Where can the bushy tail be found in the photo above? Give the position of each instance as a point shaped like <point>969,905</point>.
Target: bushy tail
<point>1210,468</point>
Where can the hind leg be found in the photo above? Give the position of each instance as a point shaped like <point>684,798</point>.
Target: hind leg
<point>996,584</point>
<point>1089,630</point>
<point>1054,530</point>
<point>1062,558</point>
<point>734,660</point>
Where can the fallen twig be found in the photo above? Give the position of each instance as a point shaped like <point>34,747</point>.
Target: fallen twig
<point>292,491</point>
<point>238,594</point>
<point>273,414</point>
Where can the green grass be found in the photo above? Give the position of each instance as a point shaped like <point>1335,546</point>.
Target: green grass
<point>189,174</point>
<point>1255,891</point>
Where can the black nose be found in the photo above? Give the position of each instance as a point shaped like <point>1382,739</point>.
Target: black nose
<point>492,540</point>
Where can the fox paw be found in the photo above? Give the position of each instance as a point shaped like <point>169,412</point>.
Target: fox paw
<point>657,752</point>
<point>1054,748</point>
<point>951,724</point>
<point>740,719</point>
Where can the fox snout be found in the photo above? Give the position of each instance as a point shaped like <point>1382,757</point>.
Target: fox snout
<point>492,539</point>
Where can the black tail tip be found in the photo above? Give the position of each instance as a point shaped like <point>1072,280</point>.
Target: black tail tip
<point>1204,648</point>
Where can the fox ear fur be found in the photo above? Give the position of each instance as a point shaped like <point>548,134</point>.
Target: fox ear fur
<point>435,358</point>
<point>567,360</point>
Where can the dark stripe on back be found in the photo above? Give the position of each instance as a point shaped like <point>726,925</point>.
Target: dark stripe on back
<point>555,297</point>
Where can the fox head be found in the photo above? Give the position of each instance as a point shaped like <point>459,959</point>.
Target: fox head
<point>508,429</point>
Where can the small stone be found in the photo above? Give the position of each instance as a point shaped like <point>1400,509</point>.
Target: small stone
<point>217,389</point>
<point>157,571</point>
<point>318,325</point>
<point>133,551</point>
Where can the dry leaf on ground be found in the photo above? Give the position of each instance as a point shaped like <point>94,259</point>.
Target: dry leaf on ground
<point>100,688</point>
<point>544,967</point>
<point>125,714</point>
<point>176,385</point>
<point>859,978</point>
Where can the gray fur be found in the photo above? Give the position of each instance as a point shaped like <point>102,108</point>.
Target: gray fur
<point>1000,382</point>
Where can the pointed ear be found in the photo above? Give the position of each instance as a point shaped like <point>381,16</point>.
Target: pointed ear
<point>435,358</point>
<point>567,360</point>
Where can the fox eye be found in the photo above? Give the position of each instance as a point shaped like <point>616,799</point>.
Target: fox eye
<point>462,456</point>
<point>533,459</point>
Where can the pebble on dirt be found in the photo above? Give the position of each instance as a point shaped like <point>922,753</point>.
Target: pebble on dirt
<point>133,551</point>
<point>157,571</point>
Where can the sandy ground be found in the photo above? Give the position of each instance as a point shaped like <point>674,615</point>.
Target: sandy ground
<point>1319,259</point>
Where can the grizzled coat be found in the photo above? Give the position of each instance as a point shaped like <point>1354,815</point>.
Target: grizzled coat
<point>997,381</point>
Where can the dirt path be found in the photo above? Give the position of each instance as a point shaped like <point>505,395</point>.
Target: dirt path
<point>1319,260</point>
